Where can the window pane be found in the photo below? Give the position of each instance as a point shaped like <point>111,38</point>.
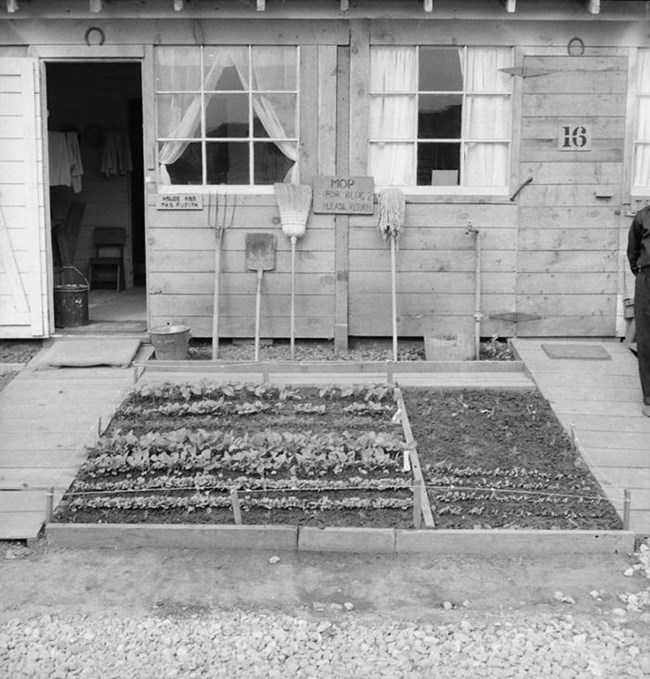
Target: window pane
<point>227,163</point>
<point>393,164</point>
<point>392,117</point>
<point>643,122</point>
<point>440,116</point>
<point>482,69</point>
<point>185,167</point>
<point>224,67</point>
<point>271,165</point>
<point>274,115</point>
<point>393,69</point>
<point>178,69</point>
<point>486,165</point>
<point>488,117</point>
<point>179,116</point>
<point>226,115</point>
<point>440,70</point>
<point>434,157</point>
<point>275,68</point>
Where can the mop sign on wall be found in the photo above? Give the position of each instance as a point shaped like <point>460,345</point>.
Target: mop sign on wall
<point>344,195</point>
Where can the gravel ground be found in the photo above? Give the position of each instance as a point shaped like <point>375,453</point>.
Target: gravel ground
<point>253,644</point>
<point>68,634</point>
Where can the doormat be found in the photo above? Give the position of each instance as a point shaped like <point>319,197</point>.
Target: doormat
<point>109,327</point>
<point>86,353</point>
<point>577,351</point>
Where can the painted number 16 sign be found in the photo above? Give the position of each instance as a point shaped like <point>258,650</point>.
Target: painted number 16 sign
<point>574,137</point>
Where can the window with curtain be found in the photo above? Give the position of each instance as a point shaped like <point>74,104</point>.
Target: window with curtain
<point>227,115</point>
<point>641,162</point>
<point>440,116</point>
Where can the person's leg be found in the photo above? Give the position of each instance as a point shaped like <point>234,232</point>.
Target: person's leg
<point>642,319</point>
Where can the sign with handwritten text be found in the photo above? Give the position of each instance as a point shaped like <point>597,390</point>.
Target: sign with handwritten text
<point>344,195</point>
<point>179,201</point>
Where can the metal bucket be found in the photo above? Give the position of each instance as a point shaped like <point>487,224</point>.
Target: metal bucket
<point>170,342</point>
<point>70,305</point>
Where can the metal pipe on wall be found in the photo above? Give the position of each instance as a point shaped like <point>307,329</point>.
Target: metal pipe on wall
<point>478,314</point>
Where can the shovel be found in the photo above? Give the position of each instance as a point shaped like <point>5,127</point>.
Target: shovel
<point>260,256</point>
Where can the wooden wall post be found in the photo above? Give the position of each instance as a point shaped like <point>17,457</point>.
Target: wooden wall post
<point>342,222</point>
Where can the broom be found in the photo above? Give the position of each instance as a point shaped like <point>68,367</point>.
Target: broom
<point>392,207</point>
<point>294,201</point>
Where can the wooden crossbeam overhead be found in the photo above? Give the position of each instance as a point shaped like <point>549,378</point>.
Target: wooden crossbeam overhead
<point>96,6</point>
<point>12,6</point>
<point>593,6</point>
<point>428,5</point>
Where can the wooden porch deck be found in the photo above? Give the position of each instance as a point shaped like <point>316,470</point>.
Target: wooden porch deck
<point>599,402</point>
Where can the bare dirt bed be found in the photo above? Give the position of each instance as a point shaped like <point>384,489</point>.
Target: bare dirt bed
<point>499,459</point>
<point>359,349</point>
<point>303,456</point>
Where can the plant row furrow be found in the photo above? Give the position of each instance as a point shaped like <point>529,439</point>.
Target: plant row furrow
<point>206,390</point>
<point>217,482</point>
<point>259,453</point>
<point>202,502</point>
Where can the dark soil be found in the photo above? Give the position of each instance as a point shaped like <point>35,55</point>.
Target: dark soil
<point>490,460</point>
<point>471,442</point>
<point>19,351</point>
<point>359,349</point>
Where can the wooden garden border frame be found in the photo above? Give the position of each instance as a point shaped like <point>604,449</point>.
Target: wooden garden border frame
<point>280,537</point>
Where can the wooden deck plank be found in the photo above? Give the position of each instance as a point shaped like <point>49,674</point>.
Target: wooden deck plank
<point>600,401</point>
<point>20,525</point>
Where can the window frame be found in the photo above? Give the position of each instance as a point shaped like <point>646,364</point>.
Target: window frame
<point>635,95</point>
<point>203,139</point>
<point>464,140</point>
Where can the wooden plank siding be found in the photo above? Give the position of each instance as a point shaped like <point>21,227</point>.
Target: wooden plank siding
<point>568,255</point>
<point>551,256</point>
<point>23,292</point>
<point>436,269</point>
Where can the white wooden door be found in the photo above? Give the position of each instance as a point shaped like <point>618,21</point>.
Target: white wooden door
<point>23,278</point>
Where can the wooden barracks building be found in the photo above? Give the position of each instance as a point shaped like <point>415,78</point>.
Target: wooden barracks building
<point>523,124</point>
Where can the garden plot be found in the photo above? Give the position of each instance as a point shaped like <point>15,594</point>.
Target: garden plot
<point>495,459</point>
<point>275,455</point>
<point>335,456</point>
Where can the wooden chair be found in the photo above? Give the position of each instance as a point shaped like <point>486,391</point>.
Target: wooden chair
<point>108,262</point>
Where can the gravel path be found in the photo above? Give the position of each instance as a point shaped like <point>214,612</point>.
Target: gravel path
<point>236,644</point>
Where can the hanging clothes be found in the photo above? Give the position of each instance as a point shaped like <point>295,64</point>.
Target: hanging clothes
<point>116,154</point>
<point>65,163</point>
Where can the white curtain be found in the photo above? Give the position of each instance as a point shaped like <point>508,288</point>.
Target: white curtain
<point>181,120</point>
<point>486,116</point>
<point>393,116</point>
<point>641,176</point>
<point>276,112</point>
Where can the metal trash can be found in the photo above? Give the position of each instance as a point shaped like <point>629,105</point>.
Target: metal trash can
<point>70,305</point>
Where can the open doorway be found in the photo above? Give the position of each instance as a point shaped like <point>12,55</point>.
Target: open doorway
<point>96,172</point>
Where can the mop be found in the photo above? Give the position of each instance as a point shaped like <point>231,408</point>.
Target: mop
<point>294,201</point>
<point>392,207</point>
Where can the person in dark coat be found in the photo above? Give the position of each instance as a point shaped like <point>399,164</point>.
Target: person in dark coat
<point>638,255</point>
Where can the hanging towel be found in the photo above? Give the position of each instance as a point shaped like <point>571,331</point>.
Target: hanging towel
<point>65,160</point>
<point>74,156</point>
<point>116,154</point>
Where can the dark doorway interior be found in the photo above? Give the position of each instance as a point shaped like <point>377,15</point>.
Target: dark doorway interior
<point>97,107</point>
